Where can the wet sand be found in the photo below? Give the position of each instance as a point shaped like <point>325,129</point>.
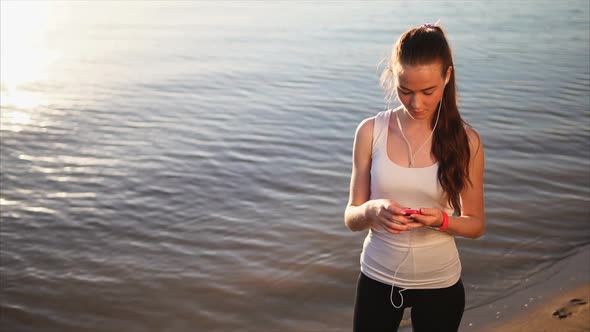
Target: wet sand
<point>568,312</point>
<point>560,302</point>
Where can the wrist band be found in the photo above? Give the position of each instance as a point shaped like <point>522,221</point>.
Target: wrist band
<point>445,222</point>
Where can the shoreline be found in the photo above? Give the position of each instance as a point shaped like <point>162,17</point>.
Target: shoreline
<point>564,289</point>
<point>567,312</point>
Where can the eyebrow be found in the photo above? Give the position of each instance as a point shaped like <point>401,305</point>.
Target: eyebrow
<point>432,87</point>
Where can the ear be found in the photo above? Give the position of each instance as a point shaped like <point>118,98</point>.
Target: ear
<point>448,74</point>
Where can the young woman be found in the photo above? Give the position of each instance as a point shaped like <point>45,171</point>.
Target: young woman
<point>420,156</point>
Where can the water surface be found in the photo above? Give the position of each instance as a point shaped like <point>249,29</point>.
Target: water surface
<point>184,166</point>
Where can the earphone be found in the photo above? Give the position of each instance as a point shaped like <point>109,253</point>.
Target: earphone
<point>410,235</point>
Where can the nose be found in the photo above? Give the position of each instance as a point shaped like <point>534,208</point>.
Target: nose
<point>414,101</point>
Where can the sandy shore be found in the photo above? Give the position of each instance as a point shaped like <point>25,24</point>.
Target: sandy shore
<point>558,302</point>
<point>568,312</point>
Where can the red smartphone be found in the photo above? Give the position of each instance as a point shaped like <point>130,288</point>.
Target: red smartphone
<point>408,212</point>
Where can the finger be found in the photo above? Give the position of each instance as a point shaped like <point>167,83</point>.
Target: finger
<point>402,219</point>
<point>415,225</point>
<point>398,210</point>
<point>420,218</point>
<point>393,231</point>
<point>395,227</point>
<point>394,204</point>
<point>424,219</point>
<point>429,211</point>
<point>394,207</point>
<point>385,214</point>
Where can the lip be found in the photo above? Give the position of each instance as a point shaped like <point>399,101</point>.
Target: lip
<point>417,112</point>
<point>418,115</point>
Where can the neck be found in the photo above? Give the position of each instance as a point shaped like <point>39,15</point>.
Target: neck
<point>411,152</point>
<point>415,124</point>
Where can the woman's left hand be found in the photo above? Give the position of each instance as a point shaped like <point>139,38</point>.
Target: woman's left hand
<point>429,217</point>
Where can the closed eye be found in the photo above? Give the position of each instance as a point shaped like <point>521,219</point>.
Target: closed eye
<point>410,92</point>
<point>428,91</point>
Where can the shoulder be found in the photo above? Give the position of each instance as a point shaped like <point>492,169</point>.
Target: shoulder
<point>366,126</point>
<point>472,135</point>
<point>475,143</point>
<point>363,138</point>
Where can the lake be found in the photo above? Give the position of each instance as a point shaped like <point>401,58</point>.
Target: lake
<point>184,166</point>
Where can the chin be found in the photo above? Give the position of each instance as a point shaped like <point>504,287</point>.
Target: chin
<point>422,113</point>
<point>419,114</point>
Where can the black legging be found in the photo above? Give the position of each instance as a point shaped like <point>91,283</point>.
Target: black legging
<point>433,310</point>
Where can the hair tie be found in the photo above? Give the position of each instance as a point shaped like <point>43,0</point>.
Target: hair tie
<point>429,25</point>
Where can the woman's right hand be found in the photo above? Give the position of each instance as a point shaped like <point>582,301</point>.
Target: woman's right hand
<point>388,214</point>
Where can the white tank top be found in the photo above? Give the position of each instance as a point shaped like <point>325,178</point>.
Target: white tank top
<point>423,257</point>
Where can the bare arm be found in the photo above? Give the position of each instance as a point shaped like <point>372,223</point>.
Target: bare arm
<point>471,223</point>
<point>362,213</point>
<point>355,214</point>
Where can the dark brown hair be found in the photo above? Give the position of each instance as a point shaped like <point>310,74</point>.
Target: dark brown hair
<point>450,145</point>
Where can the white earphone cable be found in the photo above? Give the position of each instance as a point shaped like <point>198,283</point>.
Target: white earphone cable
<point>423,144</point>
<point>410,235</point>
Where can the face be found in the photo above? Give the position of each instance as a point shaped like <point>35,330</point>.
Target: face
<point>420,88</point>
